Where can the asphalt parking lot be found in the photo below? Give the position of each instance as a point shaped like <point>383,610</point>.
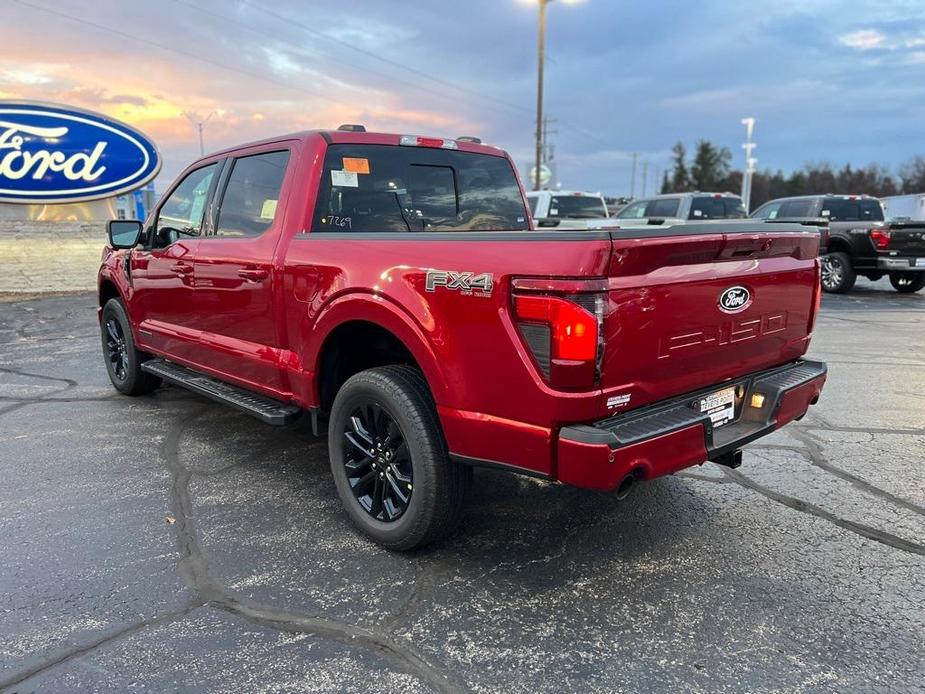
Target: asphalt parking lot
<point>169,543</point>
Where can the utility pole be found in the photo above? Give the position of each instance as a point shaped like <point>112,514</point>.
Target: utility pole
<point>750,163</point>
<point>645,176</point>
<point>540,54</point>
<point>633,178</point>
<point>200,126</point>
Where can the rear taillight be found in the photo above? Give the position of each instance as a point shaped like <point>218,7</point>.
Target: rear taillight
<point>881,238</point>
<point>817,299</point>
<point>564,333</point>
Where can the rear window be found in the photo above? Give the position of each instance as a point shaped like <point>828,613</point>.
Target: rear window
<point>717,208</point>
<point>840,210</point>
<point>577,207</point>
<point>367,188</point>
<point>662,207</point>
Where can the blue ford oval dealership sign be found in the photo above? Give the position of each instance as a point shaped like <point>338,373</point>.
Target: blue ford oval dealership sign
<point>53,154</point>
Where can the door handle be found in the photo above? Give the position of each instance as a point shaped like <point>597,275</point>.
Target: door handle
<point>181,268</point>
<point>253,274</point>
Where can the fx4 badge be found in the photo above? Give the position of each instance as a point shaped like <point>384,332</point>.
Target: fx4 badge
<point>463,282</point>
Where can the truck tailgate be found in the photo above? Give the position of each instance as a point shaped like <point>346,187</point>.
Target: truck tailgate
<point>906,238</point>
<point>667,332</point>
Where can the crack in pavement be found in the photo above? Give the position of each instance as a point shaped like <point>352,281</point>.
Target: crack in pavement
<point>802,506</point>
<point>92,645</point>
<point>69,384</point>
<point>211,593</point>
<point>814,455</point>
<point>197,572</point>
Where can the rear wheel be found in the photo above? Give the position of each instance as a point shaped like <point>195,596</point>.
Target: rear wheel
<point>838,277</point>
<point>389,459</point>
<point>907,282</point>
<point>123,360</point>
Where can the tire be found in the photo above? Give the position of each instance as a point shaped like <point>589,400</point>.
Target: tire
<point>838,277</point>
<point>907,282</point>
<point>123,360</point>
<point>370,486</point>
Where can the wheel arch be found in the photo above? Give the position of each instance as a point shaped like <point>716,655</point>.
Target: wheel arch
<point>385,333</point>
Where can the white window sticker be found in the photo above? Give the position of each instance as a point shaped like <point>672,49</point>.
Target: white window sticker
<point>698,213</point>
<point>345,179</point>
<point>268,211</point>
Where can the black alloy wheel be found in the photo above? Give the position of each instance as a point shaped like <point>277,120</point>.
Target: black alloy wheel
<point>377,462</point>
<point>116,349</point>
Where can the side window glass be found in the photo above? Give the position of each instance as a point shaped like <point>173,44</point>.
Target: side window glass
<point>667,207</point>
<point>796,209</point>
<point>769,211</point>
<point>183,211</point>
<point>248,205</point>
<point>636,210</point>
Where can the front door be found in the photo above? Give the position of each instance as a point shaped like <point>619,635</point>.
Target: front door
<point>162,270</point>
<point>235,277</point>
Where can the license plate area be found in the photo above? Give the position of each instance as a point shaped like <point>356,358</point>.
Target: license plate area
<point>720,405</point>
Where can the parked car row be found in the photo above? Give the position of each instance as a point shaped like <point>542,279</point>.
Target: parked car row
<point>857,237</point>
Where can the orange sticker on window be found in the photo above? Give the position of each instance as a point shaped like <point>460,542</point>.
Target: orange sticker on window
<point>356,165</point>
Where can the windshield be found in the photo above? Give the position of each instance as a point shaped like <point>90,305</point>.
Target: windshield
<point>727,207</point>
<point>577,207</point>
<point>371,188</point>
<point>660,207</point>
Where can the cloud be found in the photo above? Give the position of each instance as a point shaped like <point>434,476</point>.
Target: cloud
<point>863,39</point>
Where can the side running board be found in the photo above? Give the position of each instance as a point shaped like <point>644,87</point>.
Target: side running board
<point>263,408</point>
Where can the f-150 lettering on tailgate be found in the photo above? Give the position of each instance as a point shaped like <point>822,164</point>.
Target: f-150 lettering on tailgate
<point>691,341</point>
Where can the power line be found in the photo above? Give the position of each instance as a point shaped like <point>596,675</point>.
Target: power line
<point>314,32</point>
<point>263,32</point>
<point>420,73</point>
<point>180,51</point>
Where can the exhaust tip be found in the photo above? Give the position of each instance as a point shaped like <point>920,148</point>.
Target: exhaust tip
<point>626,486</point>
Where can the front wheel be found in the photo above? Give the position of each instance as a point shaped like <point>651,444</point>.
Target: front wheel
<point>390,461</point>
<point>123,359</point>
<point>838,277</point>
<point>907,282</point>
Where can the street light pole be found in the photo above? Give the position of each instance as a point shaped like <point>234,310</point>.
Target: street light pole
<point>540,54</point>
<point>750,162</point>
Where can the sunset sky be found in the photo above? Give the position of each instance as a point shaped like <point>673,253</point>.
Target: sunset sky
<point>827,81</point>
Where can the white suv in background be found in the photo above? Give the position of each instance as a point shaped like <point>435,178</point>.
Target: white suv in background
<point>690,207</point>
<point>566,209</point>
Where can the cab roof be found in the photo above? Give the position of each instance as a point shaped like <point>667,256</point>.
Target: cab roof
<point>363,137</point>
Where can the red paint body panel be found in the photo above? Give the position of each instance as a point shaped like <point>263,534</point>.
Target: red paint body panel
<point>663,332</point>
<point>601,467</point>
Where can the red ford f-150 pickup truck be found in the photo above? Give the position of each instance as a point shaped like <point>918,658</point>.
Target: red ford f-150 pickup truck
<point>391,286</point>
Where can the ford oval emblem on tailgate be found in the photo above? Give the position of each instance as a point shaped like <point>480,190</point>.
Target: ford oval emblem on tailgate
<point>735,299</point>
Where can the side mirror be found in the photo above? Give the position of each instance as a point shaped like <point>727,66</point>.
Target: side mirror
<point>124,233</point>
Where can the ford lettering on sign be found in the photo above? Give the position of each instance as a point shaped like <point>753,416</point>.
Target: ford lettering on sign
<point>54,154</point>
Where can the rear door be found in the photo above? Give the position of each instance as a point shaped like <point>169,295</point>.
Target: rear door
<point>235,271</point>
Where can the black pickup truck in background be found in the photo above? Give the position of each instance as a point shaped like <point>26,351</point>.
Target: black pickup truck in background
<point>857,240</point>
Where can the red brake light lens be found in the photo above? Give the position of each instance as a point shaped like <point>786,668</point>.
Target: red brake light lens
<point>881,238</point>
<point>573,330</point>
<point>417,141</point>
